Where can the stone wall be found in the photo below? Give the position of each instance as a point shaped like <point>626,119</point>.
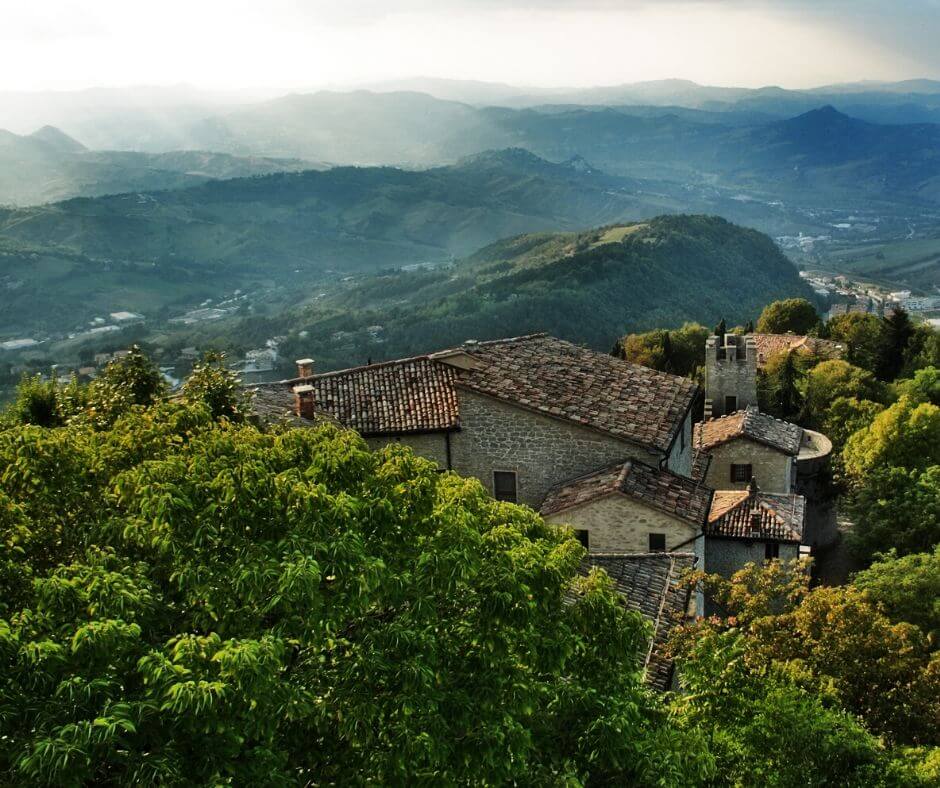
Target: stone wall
<point>771,468</point>
<point>432,445</point>
<point>726,556</point>
<point>617,524</point>
<point>730,370</point>
<point>542,451</point>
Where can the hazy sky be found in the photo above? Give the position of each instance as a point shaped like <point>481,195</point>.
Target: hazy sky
<point>297,44</point>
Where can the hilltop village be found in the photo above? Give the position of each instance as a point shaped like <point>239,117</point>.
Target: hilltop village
<point>605,446</point>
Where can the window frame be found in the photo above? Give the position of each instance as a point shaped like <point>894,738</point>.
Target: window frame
<point>748,472</point>
<point>771,550</point>
<point>515,485</point>
<point>733,399</point>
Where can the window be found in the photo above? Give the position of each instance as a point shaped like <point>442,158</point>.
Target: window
<point>731,404</point>
<point>582,536</point>
<point>740,473</point>
<point>771,550</point>
<point>504,486</point>
<point>657,543</point>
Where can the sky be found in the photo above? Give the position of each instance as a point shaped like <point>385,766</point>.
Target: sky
<point>303,44</point>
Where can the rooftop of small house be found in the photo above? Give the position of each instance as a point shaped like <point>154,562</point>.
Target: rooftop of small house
<point>676,495</point>
<point>752,514</point>
<point>650,583</point>
<point>770,344</point>
<point>749,423</point>
<point>537,372</point>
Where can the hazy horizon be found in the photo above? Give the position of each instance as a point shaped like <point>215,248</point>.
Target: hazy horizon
<point>289,45</point>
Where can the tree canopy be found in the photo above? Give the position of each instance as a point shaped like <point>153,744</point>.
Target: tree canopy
<point>791,315</point>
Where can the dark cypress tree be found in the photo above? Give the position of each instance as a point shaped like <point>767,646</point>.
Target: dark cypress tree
<point>668,360</point>
<point>896,337</point>
<point>720,331</point>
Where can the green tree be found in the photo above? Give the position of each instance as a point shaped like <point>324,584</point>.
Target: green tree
<point>780,388</point>
<point>191,601</point>
<point>831,380</point>
<point>833,641</point>
<point>218,388</point>
<point>864,336</point>
<point>923,387</point>
<point>907,588</point>
<point>125,382</point>
<point>680,351</point>
<point>896,509</point>
<point>844,416</point>
<point>791,315</point>
<point>906,435</point>
<point>923,350</point>
<point>897,333</point>
<point>766,730</point>
<point>36,402</point>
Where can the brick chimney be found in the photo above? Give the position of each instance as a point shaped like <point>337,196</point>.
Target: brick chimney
<point>304,401</point>
<point>304,367</point>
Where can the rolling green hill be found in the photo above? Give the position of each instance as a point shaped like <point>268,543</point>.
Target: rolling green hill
<point>588,287</point>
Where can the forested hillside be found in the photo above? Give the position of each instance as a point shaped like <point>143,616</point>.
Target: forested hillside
<point>588,287</point>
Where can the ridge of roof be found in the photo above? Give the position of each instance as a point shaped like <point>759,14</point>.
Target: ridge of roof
<point>781,516</point>
<point>676,495</point>
<point>751,423</point>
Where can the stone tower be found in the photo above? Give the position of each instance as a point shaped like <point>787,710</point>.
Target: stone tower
<point>730,374</point>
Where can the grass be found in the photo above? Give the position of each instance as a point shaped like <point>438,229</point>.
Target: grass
<point>616,234</point>
<point>914,264</point>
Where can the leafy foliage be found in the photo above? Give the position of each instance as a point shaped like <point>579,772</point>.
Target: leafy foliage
<point>184,600</point>
<point>219,389</point>
<point>680,351</point>
<point>833,380</point>
<point>908,589</point>
<point>791,315</point>
<point>832,641</point>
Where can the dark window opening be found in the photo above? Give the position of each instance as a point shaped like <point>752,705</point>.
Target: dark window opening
<point>731,404</point>
<point>582,536</point>
<point>657,543</point>
<point>504,486</point>
<point>741,473</point>
<point>771,550</point>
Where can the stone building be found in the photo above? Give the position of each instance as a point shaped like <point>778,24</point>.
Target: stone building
<point>632,508</point>
<point>748,445</point>
<point>751,526</point>
<point>522,415</point>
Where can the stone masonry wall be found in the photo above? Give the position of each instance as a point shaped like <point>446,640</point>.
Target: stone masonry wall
<point>432,445</point>
<point>735,375</point>
<point>544,452</point>
<point>617,524</point>
<point>726,556</point>
<point>771,468</point>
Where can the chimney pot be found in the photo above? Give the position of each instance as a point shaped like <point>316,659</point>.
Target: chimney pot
<point>304,367</point>
<point>304,402</point>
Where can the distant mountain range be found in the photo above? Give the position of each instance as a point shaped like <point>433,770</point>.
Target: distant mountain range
<point>144,250</point>
<point>48,165</point>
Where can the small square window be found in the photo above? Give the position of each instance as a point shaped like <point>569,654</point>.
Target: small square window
<point>731,404</point>
<point>504,486</point>
<point>583,537</point>
<point>771,550</point>
<point>741,473</point>
<point>657,543</point>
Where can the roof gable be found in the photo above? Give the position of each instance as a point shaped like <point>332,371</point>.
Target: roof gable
<point>752,514</point>
<point>750,423</point>
<point>675,495</point>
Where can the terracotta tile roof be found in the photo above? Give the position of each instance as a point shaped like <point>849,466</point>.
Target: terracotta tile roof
<point>537,372</point>
<point>397,397</point>
<point>650,584</point>
<point>701,460</point>
<point>560,379</point>
<point>751,514</point>
<point>750,423</point>
<point>769,344</point>
<point>675,495</point>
